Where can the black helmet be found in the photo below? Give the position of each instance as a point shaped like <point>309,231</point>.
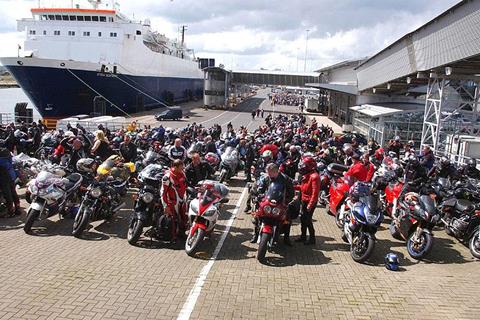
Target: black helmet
<point>444,162</point>
<point>471,163</point>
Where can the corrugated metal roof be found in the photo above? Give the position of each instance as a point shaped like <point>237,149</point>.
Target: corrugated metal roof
<point>451,37</point>
<point>342,64</point>
<point>343,88</point>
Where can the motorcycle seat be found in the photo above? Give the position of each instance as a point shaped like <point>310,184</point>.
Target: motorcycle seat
<point>464,206</point>
<point>73,180</point>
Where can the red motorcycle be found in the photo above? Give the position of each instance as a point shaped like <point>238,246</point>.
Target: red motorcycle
<point>392,193</point>
<point>338,192</point>
<point>271,215</point>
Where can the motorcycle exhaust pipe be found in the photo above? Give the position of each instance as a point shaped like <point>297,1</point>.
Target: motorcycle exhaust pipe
<point>120,207</point>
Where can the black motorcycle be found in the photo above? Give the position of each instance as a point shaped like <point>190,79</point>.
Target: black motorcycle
<point>148,208</point>
<point>100,202</point>
<point>461,215</point>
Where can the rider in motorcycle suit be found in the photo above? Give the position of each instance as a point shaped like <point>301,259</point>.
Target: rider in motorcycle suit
<point>415,173</point>
<point>359,171</point>
<point>261,165</point>
<point>274,174</point>
<point>310,188</point>
<point>247,154</point>
<point>173,193</point>
<point>290,165</point>
<point>470,169</point>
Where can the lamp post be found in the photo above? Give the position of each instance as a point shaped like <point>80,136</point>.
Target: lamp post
<point>306,52</point>
<point>298,50</point>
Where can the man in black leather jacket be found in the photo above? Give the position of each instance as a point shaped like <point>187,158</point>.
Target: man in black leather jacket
<point>198,170</point>
<point>274,175</point>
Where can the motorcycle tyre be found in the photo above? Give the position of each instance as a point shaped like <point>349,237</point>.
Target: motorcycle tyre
<point>368,251</point>
<point>80,223</point>
<point>223,175</point>
<point>135,230</point>
<point>471,244</point>
<point>339,222</point>
<point>31,217</point>
<point>425,251</point>
<point>263,246</point>
<point>193,248</point>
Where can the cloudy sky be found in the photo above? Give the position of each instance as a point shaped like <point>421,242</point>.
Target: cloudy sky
<point>254,34</point>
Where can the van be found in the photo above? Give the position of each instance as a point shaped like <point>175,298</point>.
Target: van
<point>172,113</point>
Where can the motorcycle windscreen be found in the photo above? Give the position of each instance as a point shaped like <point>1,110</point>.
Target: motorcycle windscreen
<point>151,156</point>
<point>276,192</point>
<point>153,172</point>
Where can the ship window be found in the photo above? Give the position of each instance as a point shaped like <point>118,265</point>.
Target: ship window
<point>88,18</point>
<point>110,19</point>
<point>86,33</point>
<point>71,33</point>
<point>56,32</point>
<point>44,32</point>
<point>79,18</point>
<point>44,17</point>
<point>113,34</point>
<point>65,18</point>
<point>139,32</point>
<point>33,32</point>
<point>94,18</point>
<point>103,19</point>
<point>73,18</point>
<point>99,34</point>
<point>58,17</point>
<point>51,17</point>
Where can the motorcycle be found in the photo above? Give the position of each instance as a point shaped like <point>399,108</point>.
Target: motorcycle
<point>461,215</point>
<point>103,197</point>
<point>148,208</point>
<point>414,221</point>
<point>203,213</point>
<point>361,221</point>
<point>50,195</point>
<point>230,164</point>
<point>338,192</point>
<point>271,215</point>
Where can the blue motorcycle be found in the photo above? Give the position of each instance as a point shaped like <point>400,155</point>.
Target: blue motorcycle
<point>362,217</point>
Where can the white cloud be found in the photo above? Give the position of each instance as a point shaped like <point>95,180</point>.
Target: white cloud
<point>250,34</point>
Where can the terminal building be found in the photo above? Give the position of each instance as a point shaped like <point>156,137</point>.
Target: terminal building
<point>423,87</point>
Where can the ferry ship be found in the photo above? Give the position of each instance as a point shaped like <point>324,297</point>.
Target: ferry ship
<point>97,61</point>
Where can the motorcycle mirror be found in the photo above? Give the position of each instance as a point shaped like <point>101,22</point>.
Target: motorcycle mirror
<point>224,200</point>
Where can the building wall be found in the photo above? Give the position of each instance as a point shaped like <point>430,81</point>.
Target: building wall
<point>345,75</point>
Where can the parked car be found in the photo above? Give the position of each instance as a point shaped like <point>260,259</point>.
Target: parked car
<point>172,113</point>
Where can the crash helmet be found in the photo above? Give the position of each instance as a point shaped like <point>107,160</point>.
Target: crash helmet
<point>413,160</point>
<point>391,261</point>
<point>471,163</point>
<point>307,165</point>
<point>86,165</point>
<point>392,154</point>
<point>267,155</point>
<point>397,138</point>
<point>77,144</point>
<point>348,149</point>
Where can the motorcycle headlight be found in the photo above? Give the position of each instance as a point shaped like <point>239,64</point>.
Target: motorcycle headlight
<point>96,192</point>
<point>209,212</point>
<point>275,211</point>
<point>147,197</point>
<point>267,209</point>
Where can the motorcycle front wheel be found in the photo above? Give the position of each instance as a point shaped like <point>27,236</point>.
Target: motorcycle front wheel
<point>263,246</point>
<point>362,247</point>
<point>421,247</point>
<point>31,217</point>
<point>474,244</point>
<point>135,230</point>
<point>81,222</point>
<point>223,175</point>
<point>193,241</point>
<point>339,221</point>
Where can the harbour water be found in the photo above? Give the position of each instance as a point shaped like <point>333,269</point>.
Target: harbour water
<point>10,96</point>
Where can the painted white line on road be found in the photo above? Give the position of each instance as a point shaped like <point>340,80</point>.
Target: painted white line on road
<point>221,114</point>
<point>224,124</point>
<point>192,298</point>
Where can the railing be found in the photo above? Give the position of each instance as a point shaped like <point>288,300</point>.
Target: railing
<point>7,118</point>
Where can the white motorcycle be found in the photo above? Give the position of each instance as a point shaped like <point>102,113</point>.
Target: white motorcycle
<point>50,195</point>
<point>230,164</point>
<point>203,213</point>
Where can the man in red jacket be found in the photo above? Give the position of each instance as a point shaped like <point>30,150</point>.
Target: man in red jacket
<point>173,191</point>
<point>358,171</point>
<point>310,187</point>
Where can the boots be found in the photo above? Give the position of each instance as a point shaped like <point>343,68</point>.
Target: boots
<point>286,236</point>
<point>303,237</point>
<point>311,240</point>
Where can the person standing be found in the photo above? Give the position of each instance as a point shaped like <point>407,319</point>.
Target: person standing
<point>262,112</point>
<point>173,193</point>
<point>310,188</point>
<point>177,151</point>
<point>7,185</point>
<point>127,149</point>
